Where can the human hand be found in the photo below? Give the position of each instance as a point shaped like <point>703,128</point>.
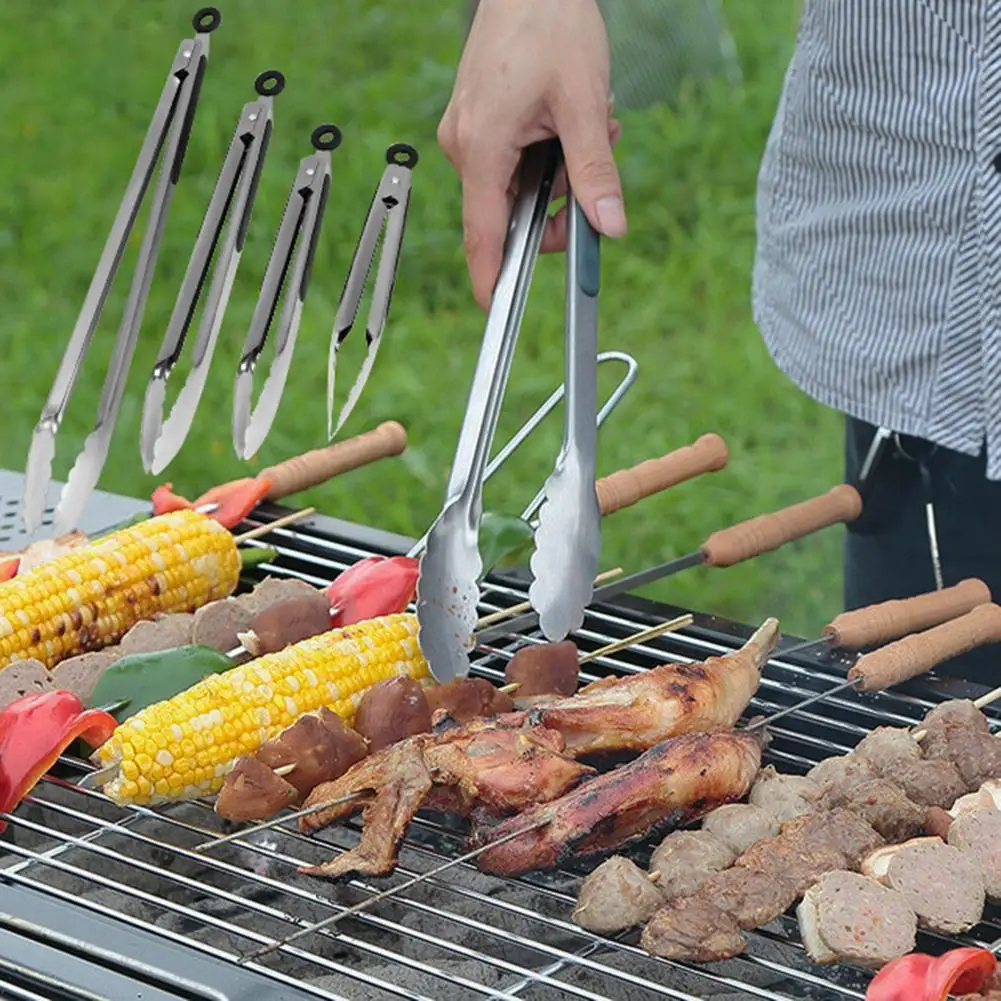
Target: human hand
<point>530,70</point>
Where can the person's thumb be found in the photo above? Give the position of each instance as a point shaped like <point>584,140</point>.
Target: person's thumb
<point>584,134</point>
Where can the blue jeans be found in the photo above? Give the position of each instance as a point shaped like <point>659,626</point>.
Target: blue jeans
<point>887,552</point>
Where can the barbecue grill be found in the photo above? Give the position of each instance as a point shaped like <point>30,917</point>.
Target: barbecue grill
<point>99,901</point>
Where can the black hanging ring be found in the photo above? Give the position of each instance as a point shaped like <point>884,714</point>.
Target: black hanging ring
<point>326,137</point>
<point>206,20</point>
<point>402,154</point>
<point>270,83</point>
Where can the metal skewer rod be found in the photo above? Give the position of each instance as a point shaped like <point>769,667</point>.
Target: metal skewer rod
<point>910,657</point>
<point>392,891</point>
<point>727,547</point>
<point>274,822</point>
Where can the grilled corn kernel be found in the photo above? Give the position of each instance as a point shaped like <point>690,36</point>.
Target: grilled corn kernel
<point>91,596</point>
<point>232,714</point>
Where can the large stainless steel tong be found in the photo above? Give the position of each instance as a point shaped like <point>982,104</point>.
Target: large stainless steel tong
<point>230,207</point>
<point>387,216</point>
<point>568,537</point>
<point>298,233</point>
<point>166,140</point>
<point>448,589</point>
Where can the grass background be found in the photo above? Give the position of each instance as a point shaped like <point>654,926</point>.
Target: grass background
<point>78,82</point>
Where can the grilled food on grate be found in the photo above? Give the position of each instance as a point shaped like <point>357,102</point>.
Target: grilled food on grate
<point>637,712</point>
<point>671,784</point>
<point>182,748</point>
<point>92,595</point>
<point>822,838</point>
<point>481,765</point>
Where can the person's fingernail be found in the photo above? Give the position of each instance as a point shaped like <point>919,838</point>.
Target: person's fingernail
<point>611,216</point>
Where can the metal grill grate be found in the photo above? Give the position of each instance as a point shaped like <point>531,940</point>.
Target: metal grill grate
<point>462,935</point>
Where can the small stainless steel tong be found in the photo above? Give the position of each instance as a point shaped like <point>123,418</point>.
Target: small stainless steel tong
<point>232,202</point>
<point>388,209</point>
<point>168,134</point>
<point>448,589</point>
<point>568,537</point>
<point>298,233</point>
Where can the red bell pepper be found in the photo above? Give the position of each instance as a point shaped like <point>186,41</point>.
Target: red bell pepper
<point>9,567</point>
<point>917,977</point>
<point>166,501</point>
<point>374,586</point>
<point>34,730</point>
<point>230,503</point>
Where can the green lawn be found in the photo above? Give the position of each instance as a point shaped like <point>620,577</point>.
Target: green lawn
<point>79,81</point>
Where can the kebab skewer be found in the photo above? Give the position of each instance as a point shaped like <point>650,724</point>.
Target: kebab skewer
<point>540,820</point>
<point>623,713</point>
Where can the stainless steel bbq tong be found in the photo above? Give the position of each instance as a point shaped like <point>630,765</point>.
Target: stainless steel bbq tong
<point>567,538</point>
<point>230,206</point>
<point>166,140</point>
<point>387,216</point>
<point>298,233</point>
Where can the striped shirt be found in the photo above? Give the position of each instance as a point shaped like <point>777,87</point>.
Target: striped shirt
<point>877,283</point>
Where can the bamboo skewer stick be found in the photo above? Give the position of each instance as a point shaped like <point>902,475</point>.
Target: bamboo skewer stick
<point>288,519</point>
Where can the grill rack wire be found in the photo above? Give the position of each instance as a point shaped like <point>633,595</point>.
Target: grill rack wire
<point>461,935</point>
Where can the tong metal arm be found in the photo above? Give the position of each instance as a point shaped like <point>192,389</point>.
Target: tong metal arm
<point>230,206</point>
<point>298,234</point>
<point>388,211</point>
<point>166,140</point>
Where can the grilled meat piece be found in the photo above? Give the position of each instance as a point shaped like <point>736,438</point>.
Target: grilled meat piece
<point>946,718</point>
<point>392,710</point>
<point>753,898</point>
<point>930,782</point>
<point>784,796</point>
<point>545,669</point>
<point>320,747</point>
<point>976,755</point>
<point>616,896</point>
<point>499,770</point>
<point>840,829</point>
<point>842,772</point>
<point>252,791</point>
<point>637,712</point>
<point>941,884</point>
<point>693,930</point>
<point>389,787</point>
<point>684,860</point>
<point>888,748</point>
<point>987,797</point>
<point>793,857</point>
<point>464,699</point>
<point>884,806</point>
<point>978,834</point>
<point>672,783</point>
<point>503,771</point>
<point>848,918</point>
<point>739,825</point>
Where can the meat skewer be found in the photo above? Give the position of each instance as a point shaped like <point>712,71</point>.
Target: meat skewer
<point>912,656</point>
<point>733,757</point>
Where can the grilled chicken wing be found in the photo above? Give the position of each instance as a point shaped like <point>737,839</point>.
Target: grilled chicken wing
<point>672,783</point>
<point>635,713</point>
<point>500,771</point>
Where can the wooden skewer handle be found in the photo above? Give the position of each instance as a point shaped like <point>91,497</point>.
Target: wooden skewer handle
<point>623,489</point>
<point>913,655</point>
<point>892,619</point>
<point>770,531</point>
<point>313,468</point>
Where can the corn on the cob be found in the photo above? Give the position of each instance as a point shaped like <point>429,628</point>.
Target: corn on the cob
<point>91,596</point>
<point>182,748</point>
